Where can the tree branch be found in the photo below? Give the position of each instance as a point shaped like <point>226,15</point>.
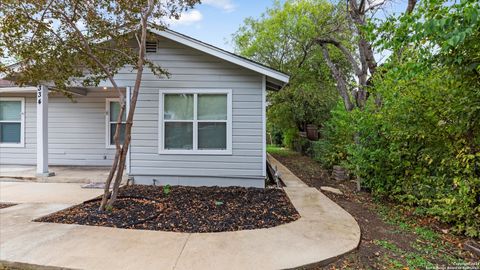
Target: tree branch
<point>336,43</point>
<point>341,83</point>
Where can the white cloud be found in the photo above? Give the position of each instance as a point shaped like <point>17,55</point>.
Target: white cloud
<point>226,5</point>
<point>188,18</point>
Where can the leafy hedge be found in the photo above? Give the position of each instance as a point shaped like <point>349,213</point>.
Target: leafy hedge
<point>421,148</point>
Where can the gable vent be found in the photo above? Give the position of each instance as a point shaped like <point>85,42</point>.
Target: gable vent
<point>151,46</point>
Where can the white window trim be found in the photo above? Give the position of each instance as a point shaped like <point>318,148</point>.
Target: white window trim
<point>22,124</point>
<point>107,122</point>
<point>194,151</point>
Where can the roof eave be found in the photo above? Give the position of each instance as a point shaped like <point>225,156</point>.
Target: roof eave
<point>227,56</point>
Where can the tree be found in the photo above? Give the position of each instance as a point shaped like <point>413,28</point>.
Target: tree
<point>361,58</point>
<point>283,38</point>
<point>59,42</point>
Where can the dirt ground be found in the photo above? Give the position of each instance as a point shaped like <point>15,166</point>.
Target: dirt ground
<point>392,237</point>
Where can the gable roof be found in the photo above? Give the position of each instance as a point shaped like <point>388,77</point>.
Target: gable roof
<point>275,80</point>
<point>273,76</point>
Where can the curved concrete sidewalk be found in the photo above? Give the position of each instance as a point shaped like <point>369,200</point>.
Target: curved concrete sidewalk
<point>323,232</point>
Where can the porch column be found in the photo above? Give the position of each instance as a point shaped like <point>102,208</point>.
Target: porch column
<point>42,132</point>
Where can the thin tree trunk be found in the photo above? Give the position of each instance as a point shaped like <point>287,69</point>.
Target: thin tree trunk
<point>128,128</point>
<point>113,169</point>
<point>341,83</point>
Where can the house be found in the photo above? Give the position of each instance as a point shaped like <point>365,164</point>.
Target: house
<point>205,125</point>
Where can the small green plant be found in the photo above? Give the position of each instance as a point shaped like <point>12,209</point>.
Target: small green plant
<point>109,208</point>
<point>218,203</point>
<point>166,190</point>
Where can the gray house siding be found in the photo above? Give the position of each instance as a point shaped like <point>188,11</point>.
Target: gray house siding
<point>191,69</point>
<point>77,132</point>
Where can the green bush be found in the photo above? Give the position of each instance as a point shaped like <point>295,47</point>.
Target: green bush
<point>422,147</point>
<point>336,135</point>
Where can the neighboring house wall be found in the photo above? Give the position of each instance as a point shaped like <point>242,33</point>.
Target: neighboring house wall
<point>77,132</point>
<point>191,69</point>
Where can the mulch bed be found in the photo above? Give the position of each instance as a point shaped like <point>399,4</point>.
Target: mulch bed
<point>5,205</point>
<point>185,209</point>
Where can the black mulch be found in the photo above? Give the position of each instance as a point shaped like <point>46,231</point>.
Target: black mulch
<point>185,209</point>
<point>5,205</point>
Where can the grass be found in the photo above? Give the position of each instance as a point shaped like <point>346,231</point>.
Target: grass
<point>429,244</point>
<point>281,151</point>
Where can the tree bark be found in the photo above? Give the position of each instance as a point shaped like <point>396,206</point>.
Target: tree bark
<point>411,6</point>
<point>122,153</point>
<point>341,83</point>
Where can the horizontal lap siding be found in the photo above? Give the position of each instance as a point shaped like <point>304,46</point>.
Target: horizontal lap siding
<point>23,155</point>
<point>77,132</point>
<point>189,68</point>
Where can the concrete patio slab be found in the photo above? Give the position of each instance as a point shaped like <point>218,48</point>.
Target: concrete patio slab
<point>323,232</point>
<point>28,192</point>
<point>63,174</point>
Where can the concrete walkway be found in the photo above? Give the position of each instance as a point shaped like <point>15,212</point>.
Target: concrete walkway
<point>63,174</point>
<point>324,231</point>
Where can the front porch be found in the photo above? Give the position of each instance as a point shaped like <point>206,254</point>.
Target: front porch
<point>61,137</point>
<point>63,174</point>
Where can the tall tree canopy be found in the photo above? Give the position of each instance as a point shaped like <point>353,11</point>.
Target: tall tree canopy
<point>284,38</point>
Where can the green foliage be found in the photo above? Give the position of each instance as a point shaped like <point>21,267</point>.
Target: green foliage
<point>336,135</point>
<point>421,147</point>
<point>284,38</point>
<point>166,190</point>
<point>58,41</point>
<point>438,31</point>
<point>280,151</point>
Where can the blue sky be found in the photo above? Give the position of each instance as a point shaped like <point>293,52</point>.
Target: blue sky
<point>214,21</point>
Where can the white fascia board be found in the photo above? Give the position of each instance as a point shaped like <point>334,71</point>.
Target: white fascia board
<point>221,54</point>
<point>18,89</point>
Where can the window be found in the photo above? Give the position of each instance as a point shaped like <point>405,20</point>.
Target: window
<point>113,109</point>
<point>195,121</point>
<point>11,122</point>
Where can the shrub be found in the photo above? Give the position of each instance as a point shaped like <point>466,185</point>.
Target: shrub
<point>336,136</point>
<point>421,148</point>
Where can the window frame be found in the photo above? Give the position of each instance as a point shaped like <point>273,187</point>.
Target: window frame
<point>108,122</point>
<point>194,150</point>
<point>21,144</point>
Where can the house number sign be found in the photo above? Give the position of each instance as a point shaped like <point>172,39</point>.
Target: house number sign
<point>39,95</point>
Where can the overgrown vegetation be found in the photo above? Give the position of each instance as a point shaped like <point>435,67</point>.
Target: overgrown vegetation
<point>415,139</point>
<point>422,146</point>
<point>394,236</point>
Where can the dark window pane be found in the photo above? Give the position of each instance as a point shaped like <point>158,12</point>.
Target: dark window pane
<point>212,136</point>
<point>178,135</point>
<point>115,110</point>
<point>112,133</point>
<point>10,132</point>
